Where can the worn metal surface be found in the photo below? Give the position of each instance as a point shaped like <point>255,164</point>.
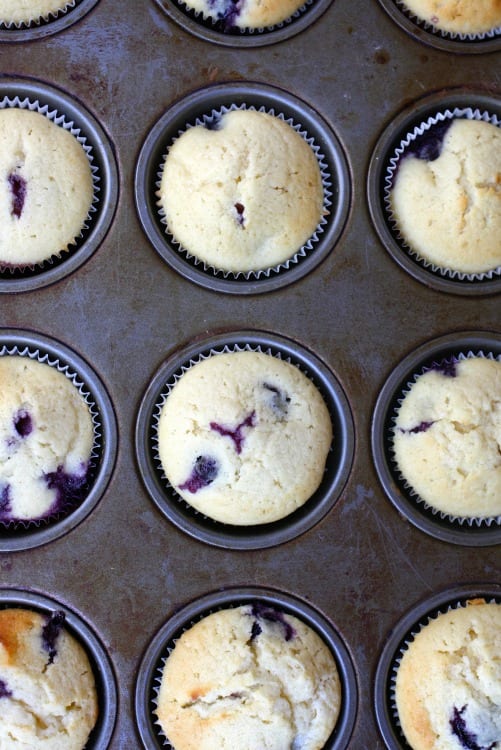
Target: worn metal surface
<point>125,569</point>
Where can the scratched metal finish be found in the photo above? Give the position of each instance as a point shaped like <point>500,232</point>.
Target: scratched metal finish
<point>125,569</point>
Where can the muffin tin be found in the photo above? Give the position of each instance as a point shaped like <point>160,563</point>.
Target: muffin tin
<point>125,308</point>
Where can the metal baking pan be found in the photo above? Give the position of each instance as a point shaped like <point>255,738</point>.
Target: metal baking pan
<point>126,569</point>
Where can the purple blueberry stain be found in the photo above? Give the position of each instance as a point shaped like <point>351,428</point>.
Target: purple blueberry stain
<point>270,614</point>
<point>4,690</point>
<point>421,427</point>
<point>50,633</point>
<point>447,368</point>
<point>226,12</point>
<point>70,488</point>
<point>205,470</point>
<point>23,423</point>
<point>18,187</point>
<point>467,738</point>
<point>235,434</point>
<point>5,503</point>
<point>279,400</point>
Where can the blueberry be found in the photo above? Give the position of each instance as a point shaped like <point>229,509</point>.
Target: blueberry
<point>23,423</point>
<point>262,612</point>
<point>467,739</point>
<point>4,690</point>
<point>236,434</point>
<point>428,146</point>
<point>229,12</point>
<point>447,368</point>
<point>421,427</point>
<point>5,499</point>
<point>50,634</point>
<point>18,189</point>
<point>239,208</point>
<point>70,488</point>
<point>279,400</point>
<point>205,470</point>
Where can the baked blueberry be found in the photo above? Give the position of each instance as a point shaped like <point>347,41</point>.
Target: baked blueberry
<point>270,614</point>
<point>467,739</point>
<point>5,499</point>
<point>69,488</point>
<point>18,190</point>
<point>279,400</point>
<point>4,690</point>
<point>51,632</point>
<point>23,423</point>
<point>205,470</point>
<point>428,146</point>
<point>421,427</point>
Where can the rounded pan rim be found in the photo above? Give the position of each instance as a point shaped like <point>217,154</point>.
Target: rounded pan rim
<point>386,725</point>
<point>47,28</point>
<point>233,596</point>
<point>281,33</point>
<point>428,37</point>
<point>437,348</point>
<point>403,122</point>
<point>103,668</point>
<point>45,534</point>
<point>103,153</point>
<point>215,96</point>
<point>304,518</point>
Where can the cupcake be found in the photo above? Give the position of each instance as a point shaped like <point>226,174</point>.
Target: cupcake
<point>243,437</point>
<point>444,201</point>
<point>448,681</point>
<point>245,14</point>
<point>48,696</point>
<point>447,437</point>
<point>47,188</point>
<point>47,438</point>
<point>243,192</point>
<point>31,11</point>
<point>249,677</point>
<point>457,16</point>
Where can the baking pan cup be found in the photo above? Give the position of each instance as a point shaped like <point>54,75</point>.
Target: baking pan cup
<point>198,106</point>
<point>185,517</point>
<point>410,623</point>
<point>438,106</point>
<point>58,106</point>
<point>163,641</point>
<point>100,662</point>
<point>446,41</point>
<point>215,31</point>
<point>461,531</point>
<point>50,24</point>
<point>20,535</point>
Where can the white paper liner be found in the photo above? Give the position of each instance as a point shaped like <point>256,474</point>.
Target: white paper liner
<point>58,119</point>
<point>391,169</point>
<point>299,254</point>
<point>417,628</point>
<point>93,460</point>
<point>219,23</point>
<point>453,35</point>
<point>225,349</point>
<point>413,495</point>
<point>49,17</point>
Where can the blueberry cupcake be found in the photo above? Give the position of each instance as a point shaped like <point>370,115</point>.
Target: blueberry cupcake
<point>48,696</point>
<point>447,680</point>
<point>243,437</point>
<point>26,12</point>
<point>442,194</point>
<point>458,18</point>
<point>47,441</point>
<point>249,676</point>
<point>47,192</point>
<point>243,192</point>
<point>447,437</point>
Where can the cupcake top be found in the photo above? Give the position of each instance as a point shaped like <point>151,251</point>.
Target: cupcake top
<point>244,194</point>
<point>458,16</point>
<point>46,187</point>
<point>46,439</point>
<point>447,437</point>
<point>243,437</point>
<point>26,11</point>
<point>249,677</point>
<point>48,697</point>
<point>448,683</point>
<point>246,14</point>
<point>446,200</point>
